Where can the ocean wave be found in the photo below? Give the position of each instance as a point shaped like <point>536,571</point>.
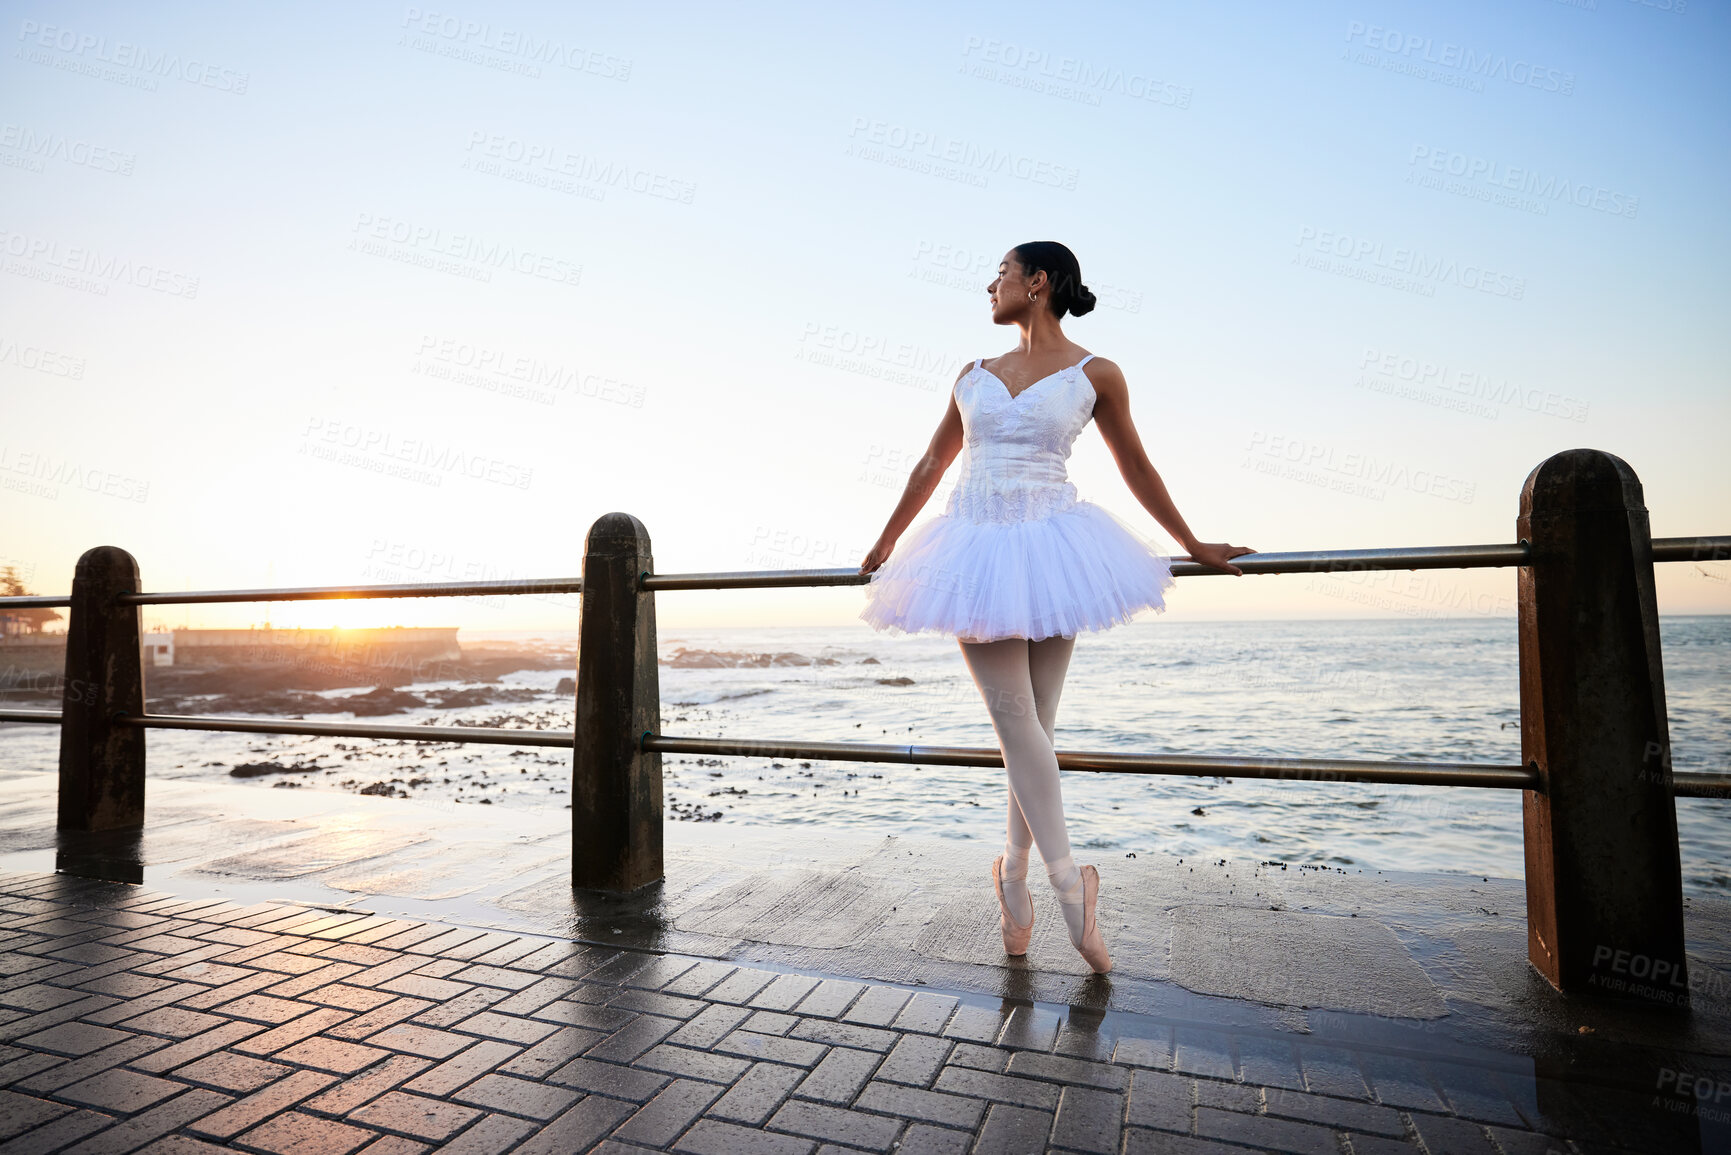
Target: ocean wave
<point>684,658</point>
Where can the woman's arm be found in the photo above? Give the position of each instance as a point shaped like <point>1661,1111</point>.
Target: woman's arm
<point>1112,415</point>
<point>928,471</point>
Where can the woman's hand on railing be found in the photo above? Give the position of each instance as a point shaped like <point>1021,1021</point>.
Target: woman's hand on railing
<point>879,554</point>
<point>1218,555</point>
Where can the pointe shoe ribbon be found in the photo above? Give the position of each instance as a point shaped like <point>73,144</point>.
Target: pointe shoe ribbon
<point>1093,947</point>
<point>1016,938</point>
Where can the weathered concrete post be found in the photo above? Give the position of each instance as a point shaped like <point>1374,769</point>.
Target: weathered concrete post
<point>1604,884</point>
<point>615,787</point>
<point>102,764</point>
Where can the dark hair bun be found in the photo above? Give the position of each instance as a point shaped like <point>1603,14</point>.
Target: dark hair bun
<point>1069,294</point>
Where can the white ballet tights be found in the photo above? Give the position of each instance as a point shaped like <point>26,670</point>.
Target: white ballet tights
<point>1020,682</point>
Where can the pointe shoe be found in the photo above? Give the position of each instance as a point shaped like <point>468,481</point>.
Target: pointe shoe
<point>1093,947</point>
<point>1016,938</point>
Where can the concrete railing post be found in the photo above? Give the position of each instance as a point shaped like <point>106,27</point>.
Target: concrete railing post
<point>1604,884</point>
<point>615,786</point>
<point>102,764</point>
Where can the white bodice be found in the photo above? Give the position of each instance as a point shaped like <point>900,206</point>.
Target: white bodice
<point>1014,449</point>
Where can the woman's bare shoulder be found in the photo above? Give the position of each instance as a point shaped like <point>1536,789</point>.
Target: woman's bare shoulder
<point>1104,374</point>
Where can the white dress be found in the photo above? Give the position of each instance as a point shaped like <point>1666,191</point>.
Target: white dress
<point>1016,554</point>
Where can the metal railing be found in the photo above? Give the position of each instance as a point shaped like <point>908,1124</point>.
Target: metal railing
<point>1485,775</point>
<point>1314,561</point>
<point>617,743</point>
<point>1687,784</point>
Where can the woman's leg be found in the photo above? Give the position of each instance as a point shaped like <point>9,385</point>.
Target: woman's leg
<point>1003,671</point>
<point>1018,841</point>
<point>1048,661</point>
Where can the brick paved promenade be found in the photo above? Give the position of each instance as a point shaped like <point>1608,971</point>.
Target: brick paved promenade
<point>132,1019</point>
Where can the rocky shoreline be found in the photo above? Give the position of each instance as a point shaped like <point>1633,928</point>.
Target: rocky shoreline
<point>295,689</point>
<point>299,688</point>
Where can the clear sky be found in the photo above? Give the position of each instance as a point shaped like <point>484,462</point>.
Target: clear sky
<point>312,294</point>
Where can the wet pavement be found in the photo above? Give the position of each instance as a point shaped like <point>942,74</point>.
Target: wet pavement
<point>781,991</point>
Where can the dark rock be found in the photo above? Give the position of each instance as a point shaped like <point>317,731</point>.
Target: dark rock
<point>378,700</point>
<point>482,696</point>
<point>287,688</point>
<point>260,769</point>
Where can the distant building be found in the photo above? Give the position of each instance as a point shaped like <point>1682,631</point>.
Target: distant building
<point>158,648</point>
<point>403,646</point>
<point>414,651</point>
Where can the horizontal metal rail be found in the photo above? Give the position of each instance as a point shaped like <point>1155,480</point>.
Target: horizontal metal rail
<point>1100,762</point>
<point>482,734</point>
<point>1692,549</point>
<point>51,717</point>
<point>1315,561</point>
<point>1665,549</point>
<point>1699,784</point>
<point>1685,783</point>
<point>486,735</point>
<point>341,593</point>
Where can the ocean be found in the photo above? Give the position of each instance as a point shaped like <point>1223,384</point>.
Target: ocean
<point>1434,689</point>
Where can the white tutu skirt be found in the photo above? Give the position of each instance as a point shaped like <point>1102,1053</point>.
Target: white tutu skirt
<point>1079,569</point>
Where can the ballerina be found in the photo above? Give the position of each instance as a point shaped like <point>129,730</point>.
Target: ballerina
<point>1017,565</point>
